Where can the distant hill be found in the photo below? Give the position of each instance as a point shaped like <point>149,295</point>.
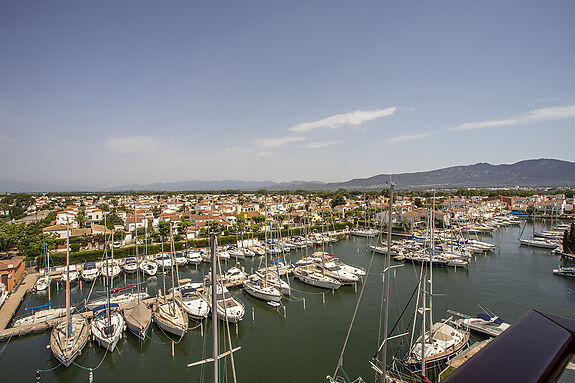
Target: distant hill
<point>198,185</point>
<point>528,173</point>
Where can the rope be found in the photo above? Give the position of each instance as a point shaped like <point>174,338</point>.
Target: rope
<point>6,345</point>
<point>340,361</point>
<point>50,369</point>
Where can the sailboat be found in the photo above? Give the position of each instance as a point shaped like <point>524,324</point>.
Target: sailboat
<point>148,267</point>
<point>443,340</point>
<point>43,282</point>
<point>193,301</point>
<point>379,360</point>
<point>168,314</point>
<point>107,323</point>
<point>258,287</point>
<point>215,356</point>
<point>138,315</point>
<point>69,337</point>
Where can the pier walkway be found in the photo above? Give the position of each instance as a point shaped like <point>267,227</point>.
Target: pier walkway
<point>11,305</point>
<point>6,313</point>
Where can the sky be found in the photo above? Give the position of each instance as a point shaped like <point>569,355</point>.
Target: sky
<point>108,93</point>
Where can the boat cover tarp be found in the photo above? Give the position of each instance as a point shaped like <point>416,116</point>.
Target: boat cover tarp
<point>39,307</point>
<point>489,318</point>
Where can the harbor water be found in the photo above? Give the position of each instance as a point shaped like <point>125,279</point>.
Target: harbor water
<point>301,340</point>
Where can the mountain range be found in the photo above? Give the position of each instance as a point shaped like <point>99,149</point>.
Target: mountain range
<point>528,173</point>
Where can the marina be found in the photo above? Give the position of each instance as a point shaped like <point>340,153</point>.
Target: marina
<point>304,320</point>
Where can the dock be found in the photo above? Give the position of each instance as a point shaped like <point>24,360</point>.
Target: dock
<point>12,303</point>
<point>15,298</point>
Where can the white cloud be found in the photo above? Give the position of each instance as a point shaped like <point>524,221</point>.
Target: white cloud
<point>323,144</point>
<point>545,114</point>
<point>354,118</point>
<point>276,142</point>
<point>410,137</point>
<point>133,145</point>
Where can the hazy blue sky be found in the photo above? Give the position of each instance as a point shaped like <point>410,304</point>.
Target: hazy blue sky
<point>105,93</point>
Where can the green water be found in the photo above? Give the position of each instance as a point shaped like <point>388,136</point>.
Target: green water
<point>305,345</point>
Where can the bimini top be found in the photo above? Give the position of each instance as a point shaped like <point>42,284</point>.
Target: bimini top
<point>102,308</point>
<point>489,318</point>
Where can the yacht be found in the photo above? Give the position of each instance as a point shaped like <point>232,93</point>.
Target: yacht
<point>89,271</point>
<point>228,307</point>
<point>484,324</point>
<point>130,265</point>
<point>315,278</point>
<point>107,325</point>
<point>193,301</point>
<point>259,288</point>
<point>164,261</point>
<point>565,271</point>
<point>149,267</point>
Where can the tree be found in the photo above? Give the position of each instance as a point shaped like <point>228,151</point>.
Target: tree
<point>164,229</point>
<point>80,218</point>
<point>337,200</point>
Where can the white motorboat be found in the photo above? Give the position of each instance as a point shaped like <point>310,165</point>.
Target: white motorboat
<point>247,252</point>
<point>352,269</point>
<point>89,271</point>
<point>194,257</point>
<point>236,253</point>
<point>228,307</point>
<point>565,271</point>
<point>73,274</point>
<point>259,288</point>
<point>369,233</point>
<point>149,267</point>
<point>120,299</point>
<point>43,283</point>
<point>192,300</point>
<point>130,265</point>
<point>331,269</point>
<point>541,243</point>
<point>107,326</point>
<point>41,316</point>
<point>274,280</point>
<point>180,258</point>
<point>3,293</point>
<point>223,254</point>
<point>485,324</point>
<point>232,275</point>
<point>164,261</point>
<point>110,269</point>
<point>315,278</point>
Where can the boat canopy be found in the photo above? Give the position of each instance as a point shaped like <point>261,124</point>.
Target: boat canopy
<point>489,318</point>
<point>89,265</point>
<point>39,307</point>
<point>102,308</point>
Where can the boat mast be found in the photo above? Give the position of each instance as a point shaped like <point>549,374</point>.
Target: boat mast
<point>172,261</point>
<point>386,276</point>
<point>137,265</point>
<point>214,306</point>
<point>431,265</point>
<point>47,267</point>
<point>111,276</point>
<point>68,318</point>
